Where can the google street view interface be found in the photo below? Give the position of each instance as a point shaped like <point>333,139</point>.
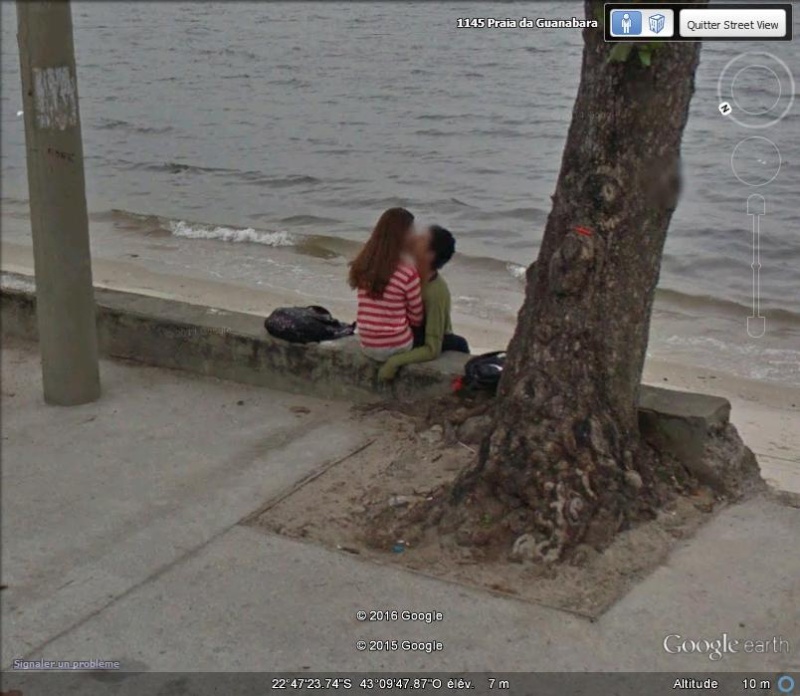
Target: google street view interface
<point>368,347</point>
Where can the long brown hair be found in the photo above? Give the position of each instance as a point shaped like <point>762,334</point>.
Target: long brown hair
<point>376,262</point>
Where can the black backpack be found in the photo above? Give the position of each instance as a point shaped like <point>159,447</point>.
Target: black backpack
<point>483,372</point>
<point>306,325</point>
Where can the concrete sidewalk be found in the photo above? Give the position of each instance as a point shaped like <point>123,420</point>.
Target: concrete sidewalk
<point>121,541</point>
<point>101,498</point>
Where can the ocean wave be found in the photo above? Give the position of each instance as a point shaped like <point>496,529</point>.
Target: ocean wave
<point>437,133</point>
<point>319,246</point>
<point>516,271</point>
<point>370,203</point>
<point>437,117</point>
<point>309,220</point>
<point>747,358</point>
<point>669,299</point>
<point>116,124</point>
<point>460,203</point>
<point>9,281</point>
<point>499,132</point>
<point>289,82</point>
<point>170,167</point>
<point>686,303</point>
<point>278,182</point>
<point>233,235</point>
<point>700,304</point>
<point>15,207</point>
<point>780,355</point>
<point>248,176</point>
<point>527,214</point>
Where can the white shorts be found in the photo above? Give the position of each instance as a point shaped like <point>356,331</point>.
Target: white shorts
<point>383,354</point>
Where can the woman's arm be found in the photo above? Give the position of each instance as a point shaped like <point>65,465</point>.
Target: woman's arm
<point>415,311</point>
<point>436,315</point>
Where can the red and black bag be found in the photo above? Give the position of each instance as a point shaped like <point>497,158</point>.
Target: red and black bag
<point>483,372</point>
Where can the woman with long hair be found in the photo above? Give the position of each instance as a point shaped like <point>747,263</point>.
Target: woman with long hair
<point>388,285</point>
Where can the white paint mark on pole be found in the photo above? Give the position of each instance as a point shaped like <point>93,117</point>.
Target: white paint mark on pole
<point>55,98</point>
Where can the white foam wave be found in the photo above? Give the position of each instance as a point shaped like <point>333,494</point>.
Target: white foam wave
<point>715,345</point>
<point>16,282</point>
<point>749,359</point>
<point>230,234</point>
<point>516,270</point>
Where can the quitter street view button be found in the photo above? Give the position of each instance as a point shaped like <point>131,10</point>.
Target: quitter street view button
<point>748,23</point>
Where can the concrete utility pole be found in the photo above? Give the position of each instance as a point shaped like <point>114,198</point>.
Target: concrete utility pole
<point>59,221</point>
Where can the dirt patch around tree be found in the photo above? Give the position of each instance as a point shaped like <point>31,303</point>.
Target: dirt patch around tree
<point>376,504</point>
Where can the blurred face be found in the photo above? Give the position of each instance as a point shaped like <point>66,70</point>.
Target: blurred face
<point>422,249</point>
<point>409,243</point>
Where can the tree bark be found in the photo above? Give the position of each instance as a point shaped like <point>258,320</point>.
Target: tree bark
<point>563,464</point>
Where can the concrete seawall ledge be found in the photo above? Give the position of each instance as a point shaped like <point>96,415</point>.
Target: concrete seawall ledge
<point>235,346</point>
<point>229,345</point>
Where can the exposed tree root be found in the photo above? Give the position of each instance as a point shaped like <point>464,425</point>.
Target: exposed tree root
<point>563,517</point>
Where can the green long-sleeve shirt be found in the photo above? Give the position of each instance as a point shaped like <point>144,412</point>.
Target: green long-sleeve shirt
<point>436,298</point>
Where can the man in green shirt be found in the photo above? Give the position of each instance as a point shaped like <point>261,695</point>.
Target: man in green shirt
<point>434,248</point>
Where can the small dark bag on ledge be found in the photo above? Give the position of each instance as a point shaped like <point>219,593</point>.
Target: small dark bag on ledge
<point>306,325</point>
<point>483,372</point>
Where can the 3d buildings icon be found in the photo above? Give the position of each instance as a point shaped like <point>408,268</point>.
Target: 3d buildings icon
<point>657,22</point>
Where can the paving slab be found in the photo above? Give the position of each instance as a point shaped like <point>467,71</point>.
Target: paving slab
<point>121,541</point>
<point>98,498</point>
<point>250,601</point>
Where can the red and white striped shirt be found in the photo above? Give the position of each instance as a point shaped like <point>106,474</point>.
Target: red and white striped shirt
<point>385,322</point>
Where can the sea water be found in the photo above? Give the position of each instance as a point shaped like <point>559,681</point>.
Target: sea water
<point>257,143</point>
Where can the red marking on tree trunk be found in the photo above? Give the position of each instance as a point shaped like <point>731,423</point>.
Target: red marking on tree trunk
<point>583,231</point>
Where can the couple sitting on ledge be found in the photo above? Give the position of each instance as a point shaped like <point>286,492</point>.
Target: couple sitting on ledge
<point>403,301</point>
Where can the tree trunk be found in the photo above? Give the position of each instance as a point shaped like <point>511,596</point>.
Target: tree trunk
<point>563,464</point>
